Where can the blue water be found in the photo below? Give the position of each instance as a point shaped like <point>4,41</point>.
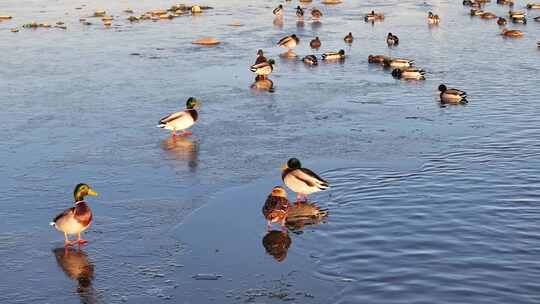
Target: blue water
<point>428,203</point>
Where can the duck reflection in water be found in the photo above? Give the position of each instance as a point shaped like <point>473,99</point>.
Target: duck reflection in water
<point>182,149</point>
<point>76,266</point>
<point>303,214</point>
<point>277,244</point>
<point>316,25</point>
<point>263,84</point>
<point>278,23</point>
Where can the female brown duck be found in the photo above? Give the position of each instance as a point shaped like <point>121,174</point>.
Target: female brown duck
<point>75,219</point>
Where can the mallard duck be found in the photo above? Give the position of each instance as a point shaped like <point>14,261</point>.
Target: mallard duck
<point>310,60</point>
<point>512,33</point>
<point>398,63</point>
<point>289,42</point>
<point>302,180</point>
<point>374,16</point>
<point>263,69</point>
<point>452,95</point>
<point>315,43</point>
<point>75,219</point>
<point>302,214</point>
<point>392,40</point>
<point>409,74</point>
<point>501,21</point>
<point>334,55</point>
<point>519,20</point>
<point>517,14</point>
<point>349,38</point>
<point>378,59</point>
<point>99,13</point>
<point>181,120</point>
<point>433,19</point>
<point>316,14</point>
<point>260,57</point>
<point>476,12</point>
<point>277,243</point>
<point>278,11</point>
<point>276,207</point>
<point>533,6</point>
<point>300,13</point>
<point>488,15</point>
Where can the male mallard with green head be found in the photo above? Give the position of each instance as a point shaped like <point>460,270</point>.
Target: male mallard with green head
<point>300,13</point>
<point>449,95</point>
<point>263,69</point>
<point>310,60</point>
<point>181,120</point>
<point>409,74</point>
<point>302,180</point>
<point>278,11</point>
<point>392,40</point>
<point>289,42</point>
<point>333,55</point>
<point>398,63</point>
<point>75,219</point>
<point>373,16</point>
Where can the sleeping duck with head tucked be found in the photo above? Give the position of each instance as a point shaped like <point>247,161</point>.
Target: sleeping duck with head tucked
<point>76,219</point>
<point>302,180</point>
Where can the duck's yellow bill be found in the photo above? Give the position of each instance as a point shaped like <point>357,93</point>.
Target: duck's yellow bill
<point>284,167</point>
<point>92,192</point>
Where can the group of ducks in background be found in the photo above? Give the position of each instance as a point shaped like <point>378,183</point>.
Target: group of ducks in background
<point>516,17</point>
<point>401,68</point>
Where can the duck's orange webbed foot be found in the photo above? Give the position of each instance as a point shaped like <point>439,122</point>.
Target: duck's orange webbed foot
<point>82,242</point>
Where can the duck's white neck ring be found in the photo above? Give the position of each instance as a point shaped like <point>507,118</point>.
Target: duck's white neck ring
<point>78,202</point>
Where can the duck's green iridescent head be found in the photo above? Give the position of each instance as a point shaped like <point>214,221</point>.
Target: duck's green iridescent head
<point>271,61</point>
<point>192,103</point>
<point>293,163</point>
<point>82,190</point>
